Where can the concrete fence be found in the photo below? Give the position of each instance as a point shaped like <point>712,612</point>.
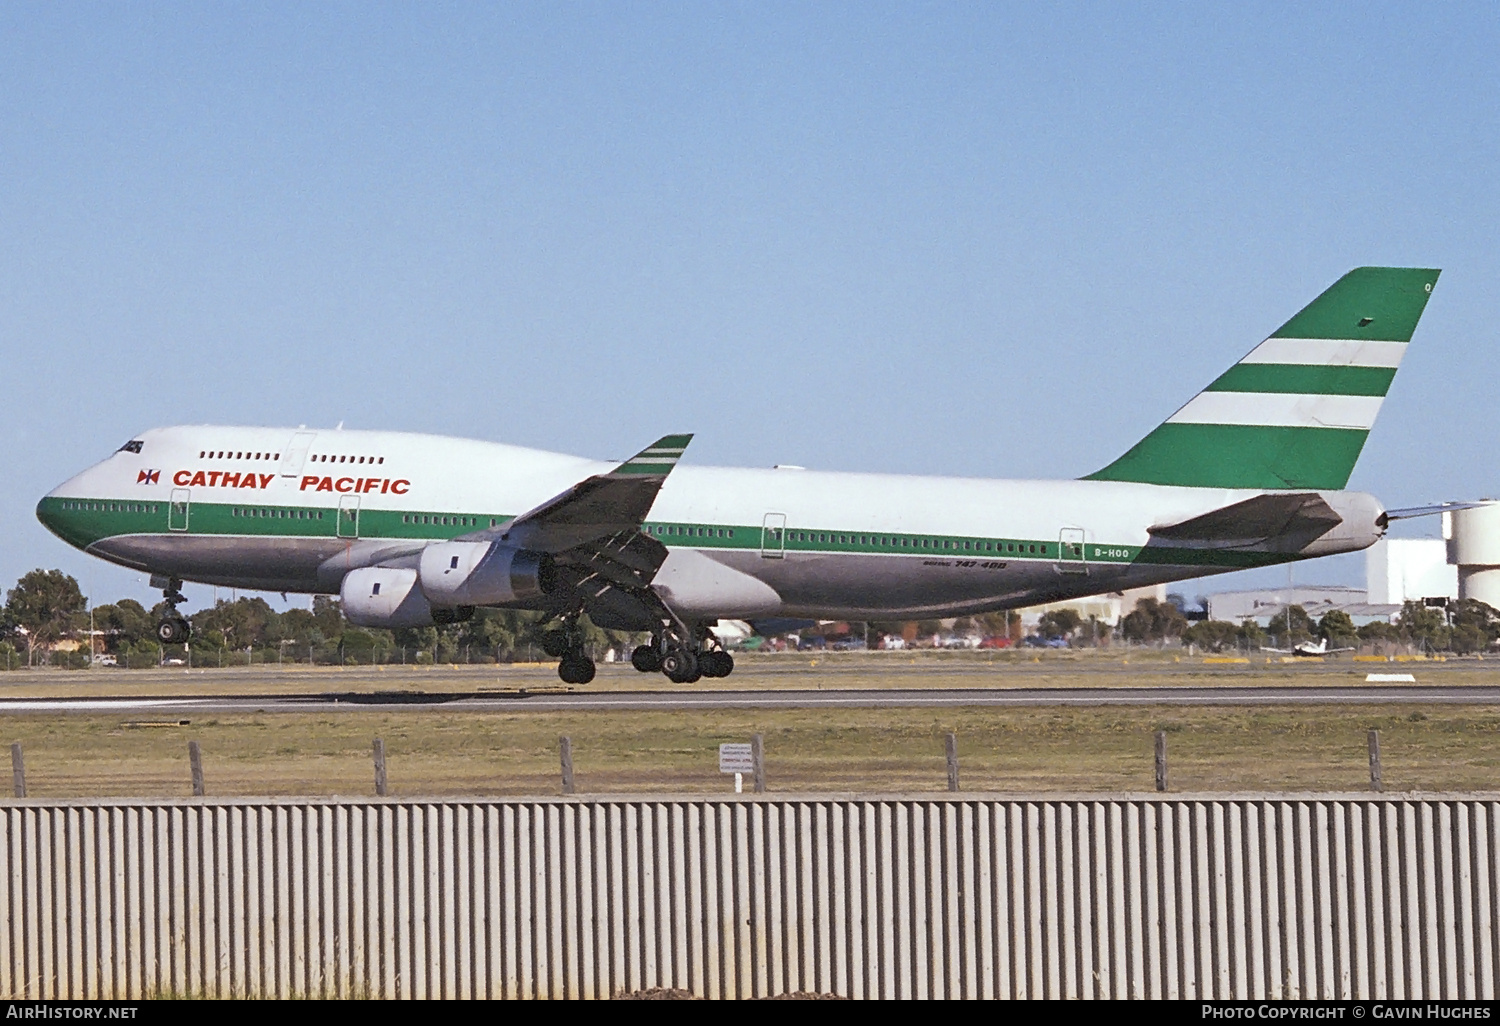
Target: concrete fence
<point>900,896</point>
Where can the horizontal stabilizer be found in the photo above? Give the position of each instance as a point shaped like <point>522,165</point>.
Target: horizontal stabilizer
<point>1282,522</point>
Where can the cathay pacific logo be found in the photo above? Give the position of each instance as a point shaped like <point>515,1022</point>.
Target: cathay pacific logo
<point>148,477</point>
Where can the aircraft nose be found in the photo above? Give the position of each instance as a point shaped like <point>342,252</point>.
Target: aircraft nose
<point>49,511</point>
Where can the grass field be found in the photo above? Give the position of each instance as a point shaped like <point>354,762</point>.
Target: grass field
<point>511,752</point>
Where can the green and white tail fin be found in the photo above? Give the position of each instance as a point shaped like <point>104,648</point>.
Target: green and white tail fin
<point>1295,412</point>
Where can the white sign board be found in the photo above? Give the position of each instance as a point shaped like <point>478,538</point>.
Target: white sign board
<point>736,759</point>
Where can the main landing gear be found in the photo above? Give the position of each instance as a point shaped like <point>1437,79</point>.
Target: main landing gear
<point>683,662</point>
<point>173,628</point>
<point>565,644</point>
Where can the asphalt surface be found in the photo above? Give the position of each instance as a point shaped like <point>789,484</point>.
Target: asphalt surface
<point>553,700</point>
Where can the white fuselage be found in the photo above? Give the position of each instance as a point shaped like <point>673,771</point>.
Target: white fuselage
<point>294,510</point>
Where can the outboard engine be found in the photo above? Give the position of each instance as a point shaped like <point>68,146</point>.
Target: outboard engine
<point>459,573</point>
<point>378,596</point>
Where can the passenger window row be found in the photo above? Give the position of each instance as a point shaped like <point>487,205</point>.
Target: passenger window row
<point>438,520</point>
<point>327,458</point>
<point>112,507</point>
<point>236,454</point>
<point>911,542</point>
<point>278,514</point>
<point>683,531</point>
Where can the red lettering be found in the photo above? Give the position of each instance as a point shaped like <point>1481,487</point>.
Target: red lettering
<point>198,479</point>
<point>265,480</point>
<point>308,482</point>
<point>400,487</point>
<point>230,480</point>
<point>343,484</point>
<point>325,485</point>
<point>213,477</point>
<point>248,481</point>
<point>370,484</point>
<point>385,484</point>
<point>180,478</point>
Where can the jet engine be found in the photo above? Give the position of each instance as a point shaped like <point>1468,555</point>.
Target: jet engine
<point>459,573</point>
<point>378,596</point>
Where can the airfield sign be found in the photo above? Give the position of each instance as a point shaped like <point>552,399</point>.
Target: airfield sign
<point>736,758</point>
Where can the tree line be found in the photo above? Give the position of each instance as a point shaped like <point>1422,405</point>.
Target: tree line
<point>47,609</point>
<point>1463,627</point>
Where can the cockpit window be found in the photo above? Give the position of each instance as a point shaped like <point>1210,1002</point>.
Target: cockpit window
<point>134,445</point>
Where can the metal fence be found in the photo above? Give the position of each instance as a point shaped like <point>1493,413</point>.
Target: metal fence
<point>903,896</point>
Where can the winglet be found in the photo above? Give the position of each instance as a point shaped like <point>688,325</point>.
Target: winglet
<point>657,458</point>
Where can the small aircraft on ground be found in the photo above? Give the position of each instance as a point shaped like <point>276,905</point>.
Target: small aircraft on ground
<point>1309,649</point>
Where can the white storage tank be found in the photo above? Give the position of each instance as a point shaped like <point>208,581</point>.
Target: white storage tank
<point>1474,547</point>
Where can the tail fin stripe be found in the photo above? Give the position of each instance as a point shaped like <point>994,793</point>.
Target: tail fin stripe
<point>1295,412</point>
<point>1328,352</point>
<point>1304,379</point>
<point>1279,409</point>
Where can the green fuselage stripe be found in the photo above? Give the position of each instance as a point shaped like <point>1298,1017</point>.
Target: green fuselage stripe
<point>82,522</point>
<point>1304,380</point>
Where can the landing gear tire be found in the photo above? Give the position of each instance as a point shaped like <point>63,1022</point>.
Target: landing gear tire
<point>716,664</point>
<point>680,666</point>
<point>576,668</point>
<point>173,631</point>
<point>646,659</point>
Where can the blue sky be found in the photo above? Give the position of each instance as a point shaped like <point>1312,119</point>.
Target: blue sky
<point>997,240</point>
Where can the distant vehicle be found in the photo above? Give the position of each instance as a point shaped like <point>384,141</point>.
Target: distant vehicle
<point>1308,649</point>
<point>174,662</point>
<point>105,659</point>
<point>848,644</point>
<point>1037,641</point>
<point>892,643</point>
<point>995,642</point>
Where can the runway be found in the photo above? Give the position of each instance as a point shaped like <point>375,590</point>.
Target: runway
<point>555,700</point>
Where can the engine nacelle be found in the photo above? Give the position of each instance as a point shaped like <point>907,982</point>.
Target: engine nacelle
<point>378,596</point>
<point>459,573</point>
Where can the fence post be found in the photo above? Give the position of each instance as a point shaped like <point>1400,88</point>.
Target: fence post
<point>1377,783</point>
<point>950,743</point>
<point>1161,760</point>
<point>758,755</point>
<point>566,744</point>
<point>18,769</point>
<point>195,761</point>
<point>380,788</point>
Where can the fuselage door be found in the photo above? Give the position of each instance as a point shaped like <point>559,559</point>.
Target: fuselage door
<point>773,536</point>
<point>348,516</point>
<point>296,453</point>
<point>177,510</point>
<point>1070,557</point>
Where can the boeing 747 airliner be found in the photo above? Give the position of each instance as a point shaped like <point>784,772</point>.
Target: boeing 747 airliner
<point>412,530</point>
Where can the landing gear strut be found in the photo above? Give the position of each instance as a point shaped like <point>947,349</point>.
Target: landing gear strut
<point>173,628</point>
<point>566,645</point>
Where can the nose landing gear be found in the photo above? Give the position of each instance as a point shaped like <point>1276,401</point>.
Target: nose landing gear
<point>173,628</point>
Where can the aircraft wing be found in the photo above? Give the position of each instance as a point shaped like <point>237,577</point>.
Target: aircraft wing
<point>1274,522</point>
<point>597,508</point>
<point>593,532</point>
